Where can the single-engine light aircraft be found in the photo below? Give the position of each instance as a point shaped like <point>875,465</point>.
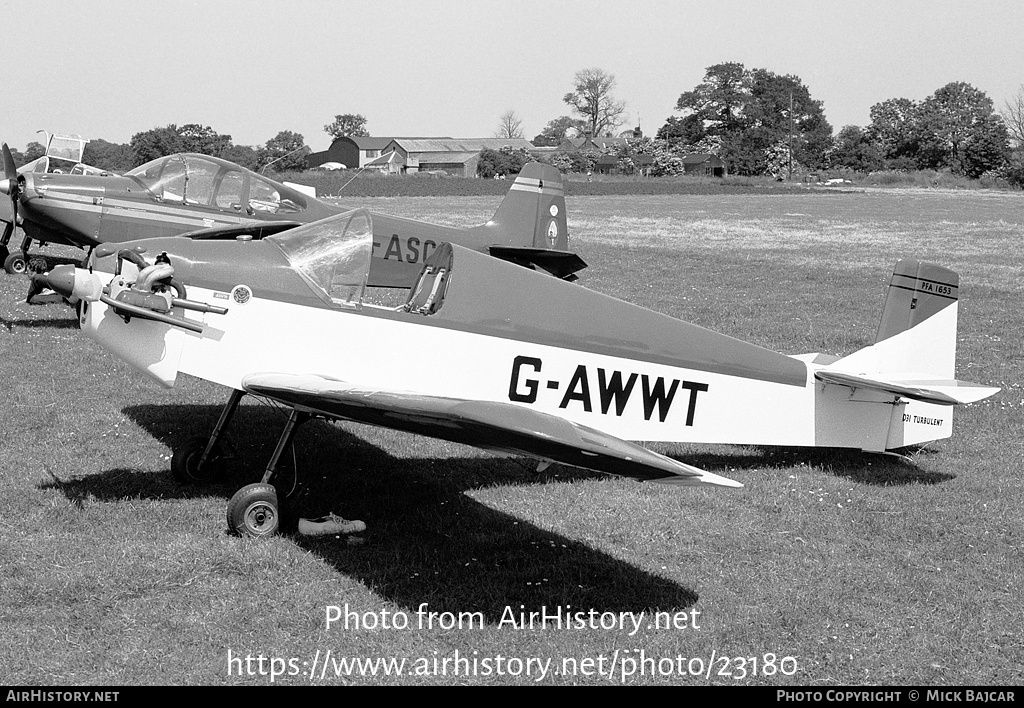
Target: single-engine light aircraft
<point>508,359</point>
<point>209,198</point>
<point>63,155</point>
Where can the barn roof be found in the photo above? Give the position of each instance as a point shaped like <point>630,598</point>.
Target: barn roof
<point>459,144</point>
<point>699,158</point>
<point>448,157</point>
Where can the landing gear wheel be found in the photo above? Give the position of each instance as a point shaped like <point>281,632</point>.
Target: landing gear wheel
<point>253,511</point>
<point>15,263</point>
<point>185,463</point>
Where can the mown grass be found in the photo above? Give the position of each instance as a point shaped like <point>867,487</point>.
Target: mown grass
<point>867,569</point>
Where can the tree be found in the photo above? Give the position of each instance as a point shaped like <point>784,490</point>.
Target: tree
<point>285,151</point>
<point>158,142</point>
<point>347,125</point>
<point>33,151</point>
<point>961,131</point>
<point>719,101</point>
<point>509,125</point>
<point>895,130</point>
<point>784,107</point>
<point>242,155</point>
<point>557,130</point>
<point>203,139</point>
<point>108,156</point>
<point>752,112</point>
<point>592,99</point>
<point>688,129</point>
<point>505,161</point>
<point>1013,117</point>
<point>853,149</point>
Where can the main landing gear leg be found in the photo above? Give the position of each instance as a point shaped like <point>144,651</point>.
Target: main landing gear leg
<point>254,510</point>
<point>4,240</point>
<point>202,460</point>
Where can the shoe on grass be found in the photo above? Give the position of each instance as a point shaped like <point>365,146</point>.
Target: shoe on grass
<point>330,525</point>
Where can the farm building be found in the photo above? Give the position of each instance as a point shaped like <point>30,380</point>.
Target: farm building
<point>705,165</point>
<point>390,163</point>
<point>456,156</point>
<point>354,152</point>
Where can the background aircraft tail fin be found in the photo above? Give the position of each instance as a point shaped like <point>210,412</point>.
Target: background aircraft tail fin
<point>532,214</point>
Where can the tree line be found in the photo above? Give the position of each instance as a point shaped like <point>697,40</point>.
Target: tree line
<point>757,121</point>
<point>763,123</point>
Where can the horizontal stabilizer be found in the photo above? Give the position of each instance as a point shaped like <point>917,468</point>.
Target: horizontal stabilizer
<point>493,426</point>
<point>561,264</point>
<point>942,391</point>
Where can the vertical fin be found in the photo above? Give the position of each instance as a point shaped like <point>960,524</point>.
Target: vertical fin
<point>917,331</point>
<point>532,214</point>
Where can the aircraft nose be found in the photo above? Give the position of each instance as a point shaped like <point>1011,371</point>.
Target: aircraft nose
<point>61,280</point>
<point>5,186</point>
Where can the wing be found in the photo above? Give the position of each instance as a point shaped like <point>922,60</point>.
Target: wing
<point>498,427</point>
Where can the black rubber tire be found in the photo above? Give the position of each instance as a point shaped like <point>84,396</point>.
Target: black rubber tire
<point>185,464</point>
<point>253,511</point>
<point>15,263</point>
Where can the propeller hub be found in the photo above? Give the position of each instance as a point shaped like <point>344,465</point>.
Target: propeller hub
<point>6,186</point>
<point>61,280</point>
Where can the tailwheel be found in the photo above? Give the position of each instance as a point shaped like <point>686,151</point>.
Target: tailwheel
<point>189,467</point>
<point>16,263</point>
<point>253,511</point>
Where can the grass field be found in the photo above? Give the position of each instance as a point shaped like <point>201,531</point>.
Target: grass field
<point>828,567</point>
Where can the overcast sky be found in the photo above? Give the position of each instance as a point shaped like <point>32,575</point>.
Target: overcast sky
<point>111,68</point>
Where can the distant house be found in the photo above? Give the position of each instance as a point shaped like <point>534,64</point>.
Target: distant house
<point>609,164</point>
<point>704,164</point>
<point>589,142</point>
<point>606,164</point>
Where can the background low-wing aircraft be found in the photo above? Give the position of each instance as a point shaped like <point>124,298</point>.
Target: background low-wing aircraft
<point>507,359</point>
<point>63,155</point>
<point>210,198</point>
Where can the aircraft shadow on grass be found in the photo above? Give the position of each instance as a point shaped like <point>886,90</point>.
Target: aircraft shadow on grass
<point>856,465</point>
<point>64,323</point>
<point>428,541</point>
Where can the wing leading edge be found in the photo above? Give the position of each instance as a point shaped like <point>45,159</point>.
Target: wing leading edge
<point>498,427</point>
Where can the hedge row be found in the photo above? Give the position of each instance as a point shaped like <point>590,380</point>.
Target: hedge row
<point>331,184</point>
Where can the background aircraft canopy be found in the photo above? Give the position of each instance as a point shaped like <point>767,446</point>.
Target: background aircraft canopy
<point>332,255</point>
<point>66,147</point>
<point>205,181</point>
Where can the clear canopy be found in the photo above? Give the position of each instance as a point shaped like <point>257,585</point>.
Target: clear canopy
<point>198,180</point>
<point>332,255</point>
